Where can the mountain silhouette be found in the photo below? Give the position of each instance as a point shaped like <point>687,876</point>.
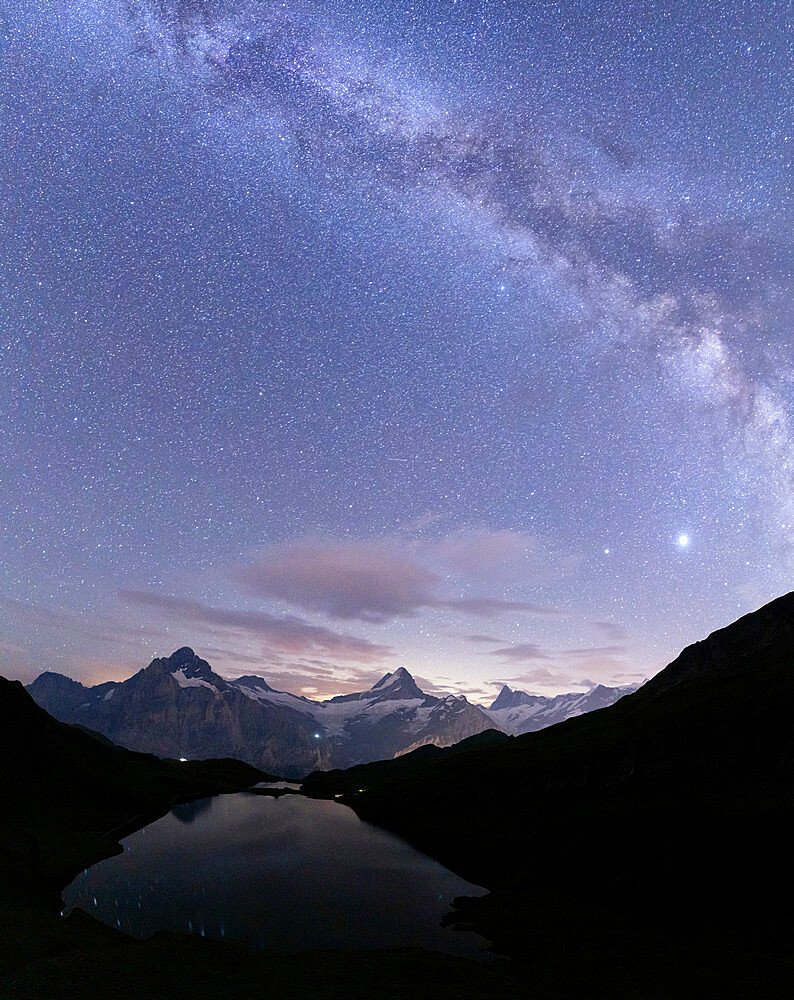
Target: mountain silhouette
<point>67,799</point>
<point>666,817</point>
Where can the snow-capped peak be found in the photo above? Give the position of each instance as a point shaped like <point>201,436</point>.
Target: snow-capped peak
<point>399,684</point>
<point>517,712</point>
<point>390,679</point>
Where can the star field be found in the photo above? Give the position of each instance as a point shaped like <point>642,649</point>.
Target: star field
<point>338,337</point>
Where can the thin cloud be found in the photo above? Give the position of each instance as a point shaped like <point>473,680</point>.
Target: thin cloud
<point>520,651</point>
<point>592,652</point>
<point>540,676</point>
<point>492,607</point>
<point>373,581</point>
<point>498,557</point>
<point>368,581</point>
<point>286,633</point>
<point>613,631</point>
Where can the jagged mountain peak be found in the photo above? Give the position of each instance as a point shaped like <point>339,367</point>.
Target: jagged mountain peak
<point>255,681</point>
<point>51,686</point>
<point>518,712</point>
<point>187,668</point>
<point>388,679</point>
<point>189,661</point>
<point>183,653</point>
<point>396,686</point>
<point>508,698</point>
<point>399,684</point>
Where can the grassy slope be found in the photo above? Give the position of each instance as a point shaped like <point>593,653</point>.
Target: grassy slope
<point>67,798</point>
<point>653,836</point>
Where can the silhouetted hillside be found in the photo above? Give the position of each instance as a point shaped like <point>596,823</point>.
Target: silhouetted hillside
<point>668,813</point>
<point>70,788</point>
<point>67,798</point>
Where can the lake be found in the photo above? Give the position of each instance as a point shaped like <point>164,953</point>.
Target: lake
<point>277,874</point>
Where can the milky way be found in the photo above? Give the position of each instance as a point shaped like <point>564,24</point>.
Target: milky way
<point>341,336</point>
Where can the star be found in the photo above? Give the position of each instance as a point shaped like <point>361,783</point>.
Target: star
<point>281,273</point>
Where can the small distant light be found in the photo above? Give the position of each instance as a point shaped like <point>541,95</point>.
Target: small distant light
<point>606,552</point>
<point>183,759</point>
<point>683,541</point>
<point>317,736</point>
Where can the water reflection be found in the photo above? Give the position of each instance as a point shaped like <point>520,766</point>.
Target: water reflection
<point>187,812</point>
<point>277,874</point>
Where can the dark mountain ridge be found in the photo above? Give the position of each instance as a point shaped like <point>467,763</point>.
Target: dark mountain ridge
<point>55,766</point>
<point>640,851</point>
<point>673,808</point>
<point>67,799</point>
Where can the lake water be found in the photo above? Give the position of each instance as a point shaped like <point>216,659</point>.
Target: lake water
<point>280,875</point>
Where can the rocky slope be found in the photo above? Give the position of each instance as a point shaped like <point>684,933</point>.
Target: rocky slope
<point>179,707</point>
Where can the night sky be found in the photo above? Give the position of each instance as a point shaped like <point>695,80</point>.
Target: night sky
<point>338,337</point>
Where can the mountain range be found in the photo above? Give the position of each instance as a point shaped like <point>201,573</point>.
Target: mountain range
<point>646,847</point>
<point>516,712</point>
<point>641,851</point>
<point>179,706</point>
<point>68,797</point>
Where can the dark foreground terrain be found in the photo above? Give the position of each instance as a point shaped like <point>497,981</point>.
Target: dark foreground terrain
<point>67,797</point>
<point>644,850</point>
<point>640,851</point>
